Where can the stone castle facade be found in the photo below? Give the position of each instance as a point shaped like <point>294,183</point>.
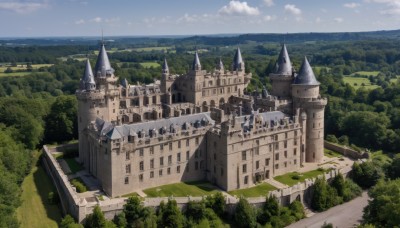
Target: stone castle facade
<point>197,126</point>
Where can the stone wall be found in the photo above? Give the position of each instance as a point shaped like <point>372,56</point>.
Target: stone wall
<point>346,151</point>
<point>79,207</point>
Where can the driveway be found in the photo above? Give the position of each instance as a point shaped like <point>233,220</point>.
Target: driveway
<point>345,215</point>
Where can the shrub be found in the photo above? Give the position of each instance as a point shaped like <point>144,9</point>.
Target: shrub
<point>53,198</point>
<point>332,138</point>
<point>296,176</point>
<point>80,187</point>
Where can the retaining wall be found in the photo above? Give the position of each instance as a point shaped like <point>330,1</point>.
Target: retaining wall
<point>346,151</point>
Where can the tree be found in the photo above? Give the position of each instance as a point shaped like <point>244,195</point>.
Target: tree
<point>383,210</point>
<point>171,216</point>
<point>97,220</point>
<point>8,70</point>
<point>120,220</point>
<point>195,211</point>
<point>338,183</point>
<point>270,208</point>
<point>297,210</point>
<point>69,222</point>
<point>133,210</point>
<point>61,122</point>
<point>217,203</point>
<point>320,195</point>
<point>366,174</point>
<point>394,168</point>
<point>245,215</point>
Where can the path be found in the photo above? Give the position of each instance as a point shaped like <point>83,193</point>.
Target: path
<point>346,215</point>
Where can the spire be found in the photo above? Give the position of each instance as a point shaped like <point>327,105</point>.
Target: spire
<point>165,68</point>
<point>88,79</point>
<point>284,66</point>
<point>220,65</point>
<point>196,62</point>
<point>264,92</point>
<point>306,75</point>
<point>124,83</point>
<point>238,63</point>
<point>103,65</point>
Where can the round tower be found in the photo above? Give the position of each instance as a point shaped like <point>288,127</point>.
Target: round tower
<point>282,77</point>
<point>306,98</point>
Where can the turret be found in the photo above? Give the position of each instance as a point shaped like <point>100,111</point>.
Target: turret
<point>165,68</point>
<point>238,63</point>
<point>196,66</point>
<point>220,66</point>
<point>87,81</point>
<point>306,98</point>
<point>282,77</point>
<point>166,83</point>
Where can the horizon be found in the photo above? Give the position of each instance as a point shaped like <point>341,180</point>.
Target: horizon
<point>81,18</point>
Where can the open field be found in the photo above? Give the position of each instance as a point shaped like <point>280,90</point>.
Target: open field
<point>181,189</point>
<point>150,64</point>
<point>356,83</point>
<point>366,73</point>
<point>148,49</point>
<point>258,190</point>
<point>23,67</point>
<point>14,74</point>
<point>293,178</point>
<point>35,210</point>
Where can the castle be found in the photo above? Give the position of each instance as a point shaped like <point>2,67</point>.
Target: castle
<point>197,126</point>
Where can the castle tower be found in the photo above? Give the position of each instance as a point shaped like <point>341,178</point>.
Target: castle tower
<point>196,83</point>
<point>166,83</point>
<point>88,97</point>
<point>220,66</point>
<point>306,98</point>
<point>282,77</point>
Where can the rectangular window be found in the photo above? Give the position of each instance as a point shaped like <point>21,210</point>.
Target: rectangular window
<point>285,164</point>
<point>196,154</point>
<point>243,155</point>
<point>267,161</point>
<point>270,147</point>
<point>215,156</point>
<point>128,168</point>
<point>276,146</point>
<point>246,179</point>
<point>152,164</point>
<point>187,142</point>
<point>127,156</point>
<point>179,157</point>
<point>160,172</point>
<point>151,150</point>
<point>285,144</point>
<point>179,143</point>
<point>257,164</point>
<point>161,146</point>
<point>286,135</point>
<point>295,161</point>
<point>169,159</point>
<point>276,166</point>
<point>187,155</point>
<point>295,151</point>
<point>152,174</point>
<point>197,141</point>
<point>277,156</point>
<point>126,180</point>
<point>169,171</point>
<point>201,164</point>
<point>161,161</point>
<point>141,165</point>
<point>170,146</point>
<point>295,142</point>
<point>285,153</point>
<point>141,177</point>
<point>141,152</point>
<point>178,169</point>
<point>244,167</point>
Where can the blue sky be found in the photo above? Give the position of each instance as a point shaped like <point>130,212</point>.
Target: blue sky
<point>190,17</point>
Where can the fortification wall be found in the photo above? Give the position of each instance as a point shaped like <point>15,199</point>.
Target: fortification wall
<point>346,151</point>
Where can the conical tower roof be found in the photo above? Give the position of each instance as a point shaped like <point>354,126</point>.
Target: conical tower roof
<point>88,77</point>
<point>103,63</point>
<point>306,75</point>
<point>284,66</point>
<point>165,65</point>
<point>124,83</point>
<point>196,62</point>
<point>220,65</point>
<point>237,60</point>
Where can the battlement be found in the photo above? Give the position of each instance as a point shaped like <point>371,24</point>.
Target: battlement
<point>89,95</point>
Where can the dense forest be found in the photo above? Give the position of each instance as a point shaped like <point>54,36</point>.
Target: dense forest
<point>41,107</point>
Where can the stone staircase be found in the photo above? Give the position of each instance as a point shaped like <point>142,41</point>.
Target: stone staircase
<point>276,184</point>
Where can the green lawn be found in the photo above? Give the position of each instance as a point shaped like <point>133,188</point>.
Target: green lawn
<point>74,166</point>
<point>146,49</point>
<point>181,189</point>
<point>258,190</point>
<point>366,73</point>
<point>331,154</point>
<point>14,74</point>
<point>289,178</point>
<point>35,210</point>
<point>150,64</point>
<point>356,83</point>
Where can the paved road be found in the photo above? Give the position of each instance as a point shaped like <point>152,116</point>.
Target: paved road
<point>345,215</point>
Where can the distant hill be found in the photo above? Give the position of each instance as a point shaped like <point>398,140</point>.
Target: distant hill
<point>217,39</point>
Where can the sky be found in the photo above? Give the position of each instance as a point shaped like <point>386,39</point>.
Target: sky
<point>43,18</point>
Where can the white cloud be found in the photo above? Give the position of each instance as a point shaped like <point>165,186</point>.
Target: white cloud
<point>351,5</point>
<point>97,19</point>
<point>269,18</point>
<point>22,7</point>
<point>239,8</point>
<point>318,20</point>
<point>292,9</point>
<point>269,3</point>
<point>338,19</point>
<point>79,22</point>
<point>393,6</point>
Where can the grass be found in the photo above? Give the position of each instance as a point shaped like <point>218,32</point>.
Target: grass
<point>290,178</point>
<point>367,73</point>
<point>73,165</point>
<point>35,210</point>
<point>131,194</point>
<point>356,83</point>
<point>147,49</point>
<point>331,154</point>
<point>14,74</point>
<point>181,189</point>
<point>150,64</point>
<point>381,157</point>
<point>258,190</point>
